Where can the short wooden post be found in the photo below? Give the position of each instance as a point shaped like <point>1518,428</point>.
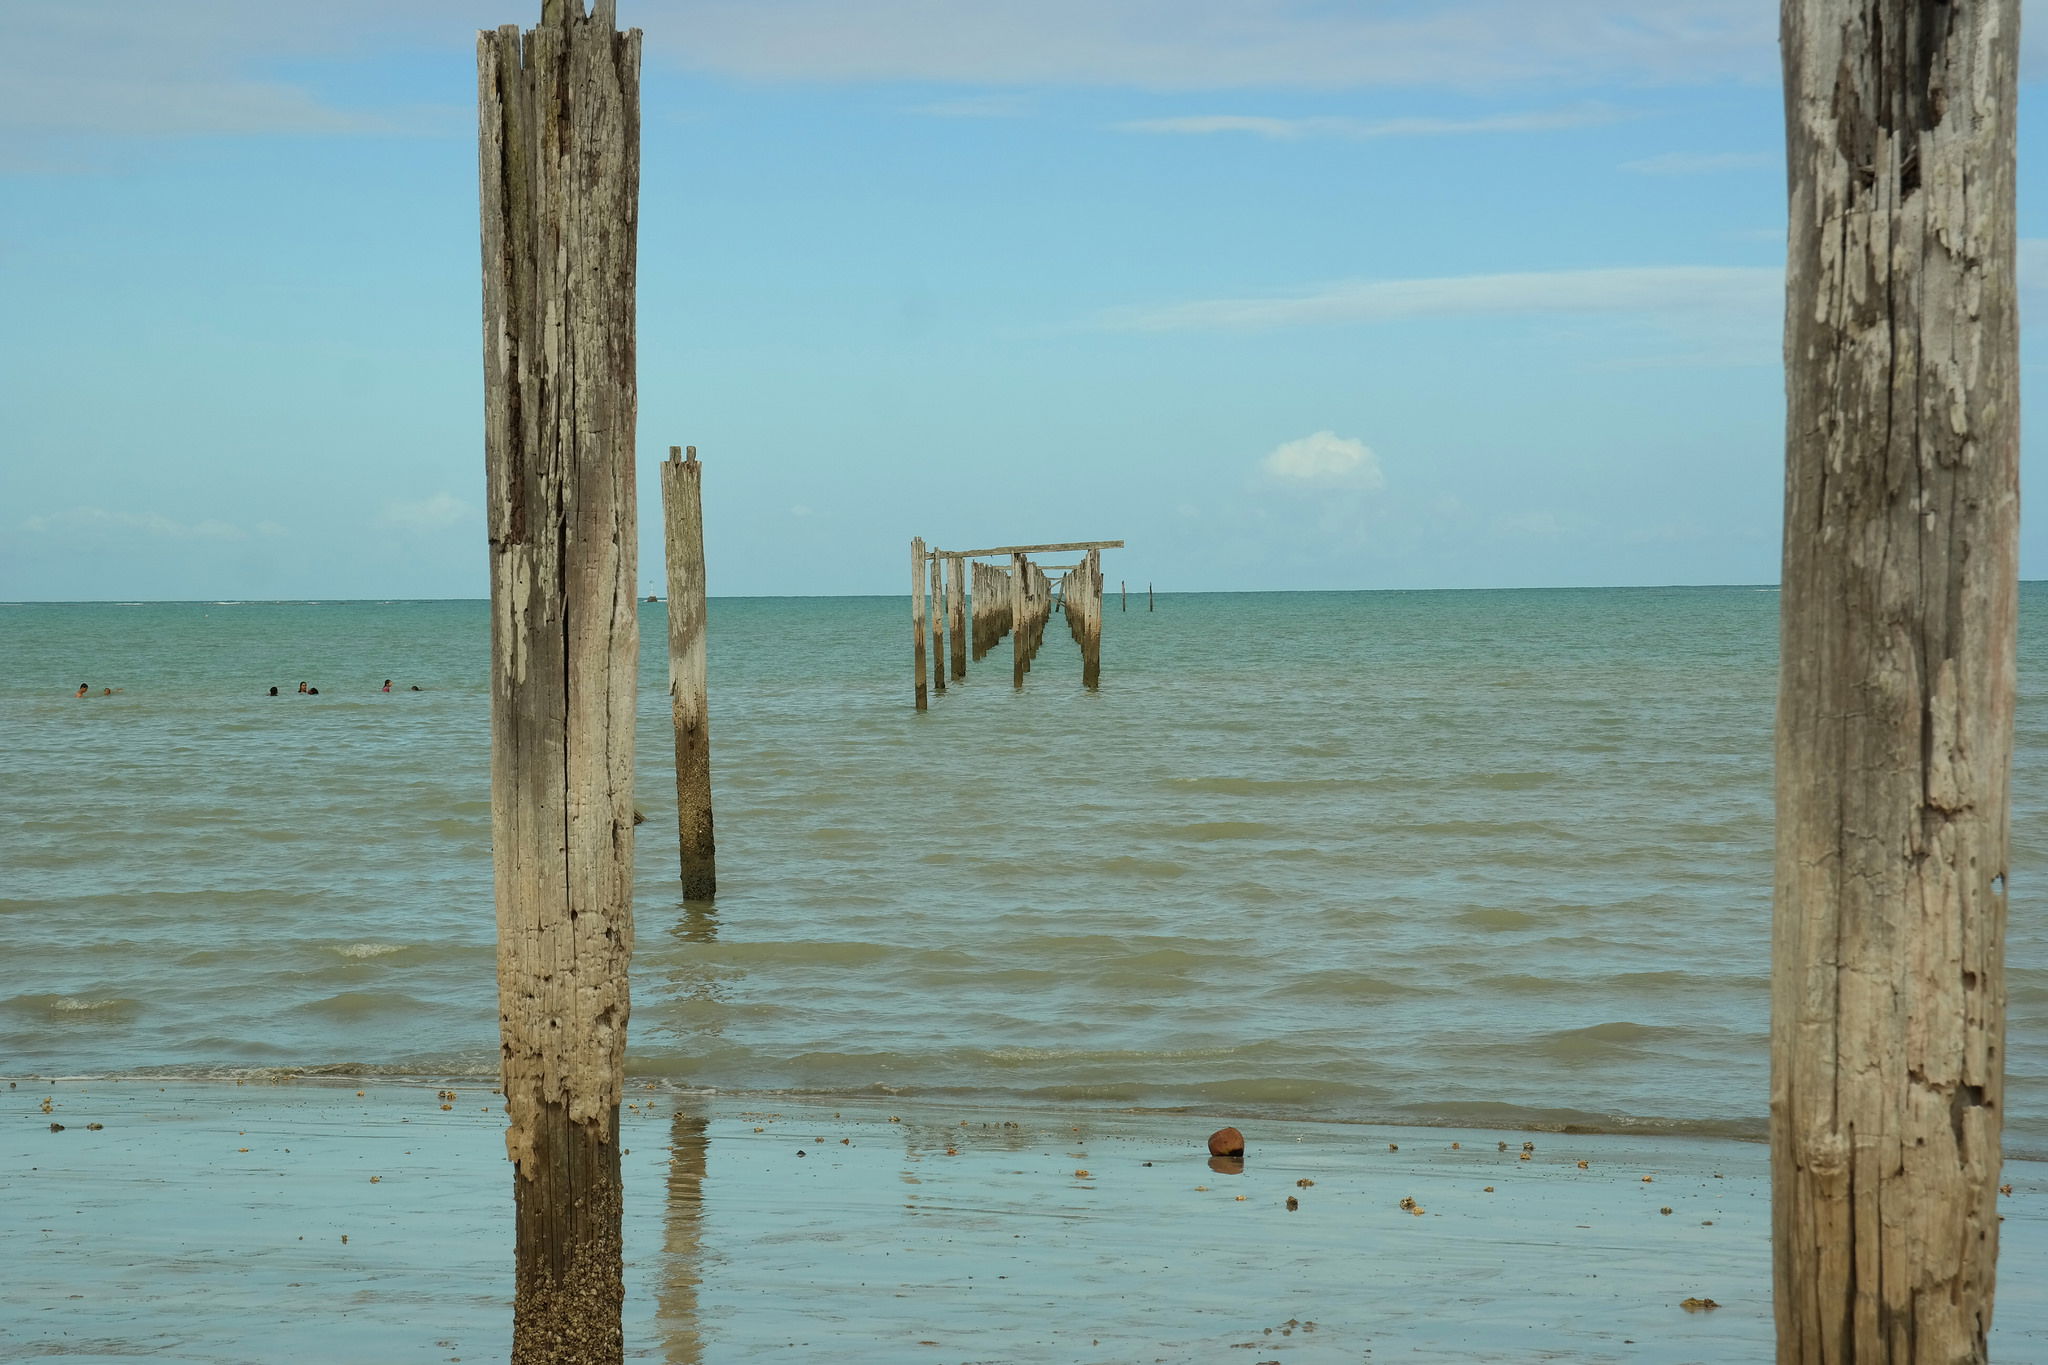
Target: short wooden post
<point>1019,605</point>
<point>938,623</point>
<point>1148,597</point>
<point>1897,663</point>
<point>956,615</point>
<point>683,520</point>
<point>558,158</point>
<point>1124,593</point>
<point>917,613</point>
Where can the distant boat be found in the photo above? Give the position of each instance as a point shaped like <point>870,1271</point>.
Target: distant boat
<point>652,598</point>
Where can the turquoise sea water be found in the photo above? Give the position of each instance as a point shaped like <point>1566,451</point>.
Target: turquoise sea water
<point>1491,858</point>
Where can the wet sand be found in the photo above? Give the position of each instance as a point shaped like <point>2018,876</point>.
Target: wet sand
<point>302,1222</point>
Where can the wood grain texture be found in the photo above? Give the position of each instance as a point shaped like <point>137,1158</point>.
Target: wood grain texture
<point>1897,678</point>
<point>558,159</point>
<point>682,505</point>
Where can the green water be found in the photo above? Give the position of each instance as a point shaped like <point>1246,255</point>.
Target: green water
<point>1465,857</point>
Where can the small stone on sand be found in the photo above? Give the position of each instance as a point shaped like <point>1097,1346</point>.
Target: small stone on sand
<point>1226,1142</point>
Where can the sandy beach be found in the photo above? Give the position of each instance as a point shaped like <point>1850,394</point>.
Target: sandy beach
<point>310,1222</point>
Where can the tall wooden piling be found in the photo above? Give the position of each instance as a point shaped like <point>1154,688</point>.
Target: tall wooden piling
<point>1090,575</point>
<point>1124,593</point>
<point>938,624</point>
<point>917,614</point>
<point>1148,597</point>
<point>1897,663</point>
<point>558,158</point>
<point>1020,584</point>
<point>956,615</point>
<point>683,521</point>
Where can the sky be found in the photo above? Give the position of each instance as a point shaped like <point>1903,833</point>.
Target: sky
<point>1287,294</point>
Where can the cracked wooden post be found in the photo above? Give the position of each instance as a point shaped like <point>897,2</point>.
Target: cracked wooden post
<point>938,623</point>
<point>917,615</point>
<point>956,615</point>
<point>1895,701</point>
<point>682,507</point>
<point>558,159</point>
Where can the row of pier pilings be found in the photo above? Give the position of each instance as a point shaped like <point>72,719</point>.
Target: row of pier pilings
<point>961,607</point>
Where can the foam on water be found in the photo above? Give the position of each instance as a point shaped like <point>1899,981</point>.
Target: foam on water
<point>1427,857</point>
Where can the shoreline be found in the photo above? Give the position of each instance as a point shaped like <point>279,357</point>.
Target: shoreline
<point>204,1220</point>
<point>1561,1122</point>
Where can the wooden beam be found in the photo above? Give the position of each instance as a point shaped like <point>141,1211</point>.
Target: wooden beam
<point>1896,681</point>
<point>682,508</point>
<point>1011,550</point>
<point>559,170</point>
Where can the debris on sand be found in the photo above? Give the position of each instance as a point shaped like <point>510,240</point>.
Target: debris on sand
<point>1226,1142</point>
<point>1698,1305</point>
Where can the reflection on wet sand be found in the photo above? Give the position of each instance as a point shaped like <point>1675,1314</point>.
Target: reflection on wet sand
<point>683,1241</point>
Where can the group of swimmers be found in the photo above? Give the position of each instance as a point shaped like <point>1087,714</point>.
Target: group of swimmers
<point>84,691</point>
<point>306,691</point>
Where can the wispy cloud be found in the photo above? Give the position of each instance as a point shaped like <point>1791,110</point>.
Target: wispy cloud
<point>1228,44</point>
<point>1690,288</point>
<point>427,514</point>
<point>95,522</point>
<point>976,106</point>
<point>1365,130</point>
<point>1696,163</point>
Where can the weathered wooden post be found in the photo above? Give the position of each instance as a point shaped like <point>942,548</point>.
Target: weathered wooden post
<point>1895,700</point>
<point>559,162</point>
<point>1148,597</point>
<point>1091,619</point>
<point>956,615</point>
<point>938,624</point>
<point>917,614</point>
<point>1019,586</point>
<point>1124,593</point>
<point>683,520</point>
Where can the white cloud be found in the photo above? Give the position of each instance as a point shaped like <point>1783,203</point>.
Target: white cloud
<point>428,514</point>
<point>1696,163</point>
<point>1324,460</point>
<point>97,522</point>
<point>1364,130</point>
<point>1739,290</point>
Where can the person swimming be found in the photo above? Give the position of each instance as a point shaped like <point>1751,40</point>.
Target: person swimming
<point>273,691</point>
<point>83,691</point>
<point>387,684</point>
<point>302,689</point>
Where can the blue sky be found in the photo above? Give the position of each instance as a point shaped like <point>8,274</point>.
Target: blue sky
<point>1417,293</point>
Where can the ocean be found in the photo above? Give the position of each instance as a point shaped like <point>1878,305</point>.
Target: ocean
<point>1496,859</point>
